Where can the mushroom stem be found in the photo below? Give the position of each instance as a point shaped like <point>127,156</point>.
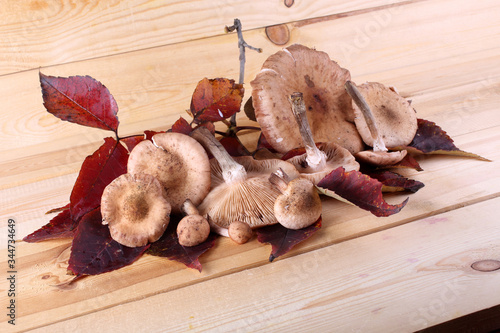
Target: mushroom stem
<point>279,179</point>
<point>352,90</point>
<point>231,170</point>
<point>316,159</point>
<point>189,208</point>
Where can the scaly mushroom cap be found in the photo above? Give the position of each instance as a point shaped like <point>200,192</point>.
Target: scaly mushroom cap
<point>299,205</point>
<point>135,209</point>
<point>250,200</point>
<point>321,80</point>
<point>179,162</point>
<point>336,156</point>
<point>395,119</point>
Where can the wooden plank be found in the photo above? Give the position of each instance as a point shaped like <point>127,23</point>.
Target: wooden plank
<point>155,85</point>
<point>450,183</point>
<point>33,30</point>
<point>399,280</point>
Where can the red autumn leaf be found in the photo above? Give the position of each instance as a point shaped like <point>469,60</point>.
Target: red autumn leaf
<point>234,146</point>
<point>181,126</point>
<point>431,139</point>
<point>361,190</point>
<point>209,125</point>
<point>283,239</point>
<point>408,162</point>
<point>149,134</point>
<point>393,182</point>
<point>81,100</point>
<point>97,171</point>
<point>168,246</point>
<point>262,143</point>
<point>58,209</point>
<point>93,251</point>
<point>216,99</point>
<point>132,141</point>
<point>61,226</point>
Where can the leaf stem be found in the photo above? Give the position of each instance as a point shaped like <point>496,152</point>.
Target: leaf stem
<point>242,45</point>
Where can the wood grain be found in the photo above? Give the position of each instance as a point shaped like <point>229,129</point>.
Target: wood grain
<point>397,274</point>
<point>399,280</point>
<point>32,29</point>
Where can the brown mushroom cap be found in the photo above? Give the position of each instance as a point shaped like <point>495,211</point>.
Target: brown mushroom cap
<point>336,156</point>
<point>299,205</point>
<point>321,80</point>
<point>193,229</point>
<point>180,164</point>
<point>240,232</point>
<point>135,209</point>
<point>381,158</point>
<point>395,118</point>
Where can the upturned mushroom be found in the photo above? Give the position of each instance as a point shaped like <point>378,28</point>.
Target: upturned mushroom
<point>299,205</point>
<point>321,159</point>
<point>240,187</point>
<point>321,80</point>
<point>390,123</point>
<point>180,164</point>
<point>135,209</point>
<point>193,229</point>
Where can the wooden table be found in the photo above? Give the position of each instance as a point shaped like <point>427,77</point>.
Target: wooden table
<point>359,273</point>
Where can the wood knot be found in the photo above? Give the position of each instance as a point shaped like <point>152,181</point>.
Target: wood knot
<point>289,3</point>
<point>278,34</point>
<point>486,265</point>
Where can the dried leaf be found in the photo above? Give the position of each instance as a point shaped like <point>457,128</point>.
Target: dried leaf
<point>97,171</point>
<point>216,99</point>
<point>149,134</point>
<point>132,141</point>
<point>283,239</point>
<point>234,146</point>
<point>58,209</point>
<point>361,190</point>
<point>81,100</point>
<point>181,126</point>
<point>393,182</point>
<point>93,251</point>
<point>61,226</point>
<point>431,139</point>
<point>168,246</point>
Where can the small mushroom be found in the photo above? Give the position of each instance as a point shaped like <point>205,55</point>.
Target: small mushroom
<point>321,80</point>
<point>135,209</point>
<point>388,123</point>
<point>180,164</point>
<point>240,187</point>
<point>299,205</point>
<point>319,160</point>
<point>240,232</point>
<point>193,229</point>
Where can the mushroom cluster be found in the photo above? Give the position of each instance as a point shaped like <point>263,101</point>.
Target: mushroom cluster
<point>301,98</point>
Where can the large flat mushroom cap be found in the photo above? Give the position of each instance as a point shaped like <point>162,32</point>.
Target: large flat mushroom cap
<point>395,118</point>
<point>135,209</point>
<point>179,162</point>
<point>329,109</point>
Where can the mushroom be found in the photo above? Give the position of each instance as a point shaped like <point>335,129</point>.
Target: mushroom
<point>179,162</point>
<point>240,187</point>
<point>193,229</point>
<point>319,160</point>
<point>135,209</point>
<point>390,122</point>
<point>321,80</point>
<point>299,205</point>
<point>240,232</point>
